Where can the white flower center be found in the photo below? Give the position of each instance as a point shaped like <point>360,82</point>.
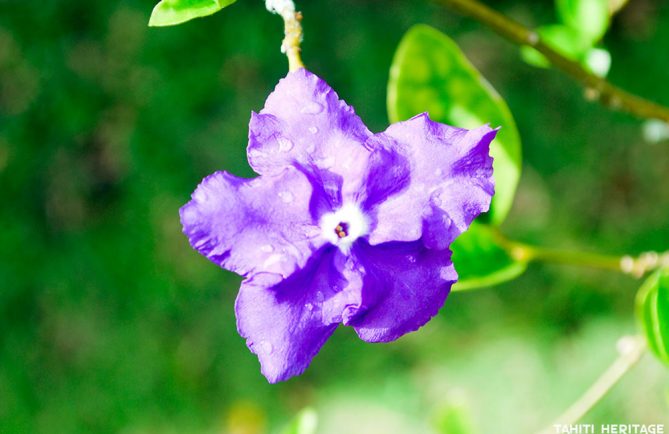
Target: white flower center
<point>344,226</point>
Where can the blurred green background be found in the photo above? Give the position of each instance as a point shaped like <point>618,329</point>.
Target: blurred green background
<point>110,323</point>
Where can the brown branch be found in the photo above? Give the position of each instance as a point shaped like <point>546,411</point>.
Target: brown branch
<point>596,88</point>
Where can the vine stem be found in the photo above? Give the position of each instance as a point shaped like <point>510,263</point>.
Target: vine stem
<point>630,349</point>
<point>596,88</point>
<point>292,31</point>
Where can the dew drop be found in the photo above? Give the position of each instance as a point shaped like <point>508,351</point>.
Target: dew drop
<point>200,195</point>
<point>272,260</point>
<point>267,248</point>
<point>438,172</point>
<point>286,196</point>
<point>411,259</point>
<point>312,231</point>
<point>446,273</point>
<point>326,163</point>
<point>313,108</point>
<point>313,130</point>
<point>285,145</point>
<point>266,347</point>
<point>309,307</point>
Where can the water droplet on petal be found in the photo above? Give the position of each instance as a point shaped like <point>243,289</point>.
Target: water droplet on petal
<point>272,260</point>
<point>438,172</point>
<point>266,347</point>
<point>411,259</point>
<point>312,231</point>
<point>309,307</point>
<point>267,248</point>
<point>286,196</point>
<point>200,195</point>
<point>285,145</point>
<point>326,163</point>
<point>313,130</point>
<point>255,153</point>
<point>446,273</point>
<point>312,108</point>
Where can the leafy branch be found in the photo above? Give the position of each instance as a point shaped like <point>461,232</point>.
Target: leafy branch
<point>596,88</point>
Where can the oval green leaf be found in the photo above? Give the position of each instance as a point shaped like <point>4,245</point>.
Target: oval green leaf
<point>590,18</point>
<point>481,259</point>
<point>653,313</point>
<point>172,12</point>
<point>431,74</point>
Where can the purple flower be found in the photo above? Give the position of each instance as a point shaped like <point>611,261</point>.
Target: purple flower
<point>342,226</point>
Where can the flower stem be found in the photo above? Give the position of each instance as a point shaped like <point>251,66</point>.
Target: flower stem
<point>292,31</point>
<point>630,349</point>
<point>635,266</point>
<point>596,88</point>
<point>587,259</point>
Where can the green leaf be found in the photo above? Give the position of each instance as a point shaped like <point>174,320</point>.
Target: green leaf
<point>305,422</point>
<point>481,260</point>
<point>171,12</point>
<point>562,39</point>
<point>653,312</point>
<point>589,18</point>
<point>430,74</point>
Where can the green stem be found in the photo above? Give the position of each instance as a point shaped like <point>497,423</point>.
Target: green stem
<point>567,257</point>
<point>596,87</point>
<point>635,266</point>
<point>630,349</point>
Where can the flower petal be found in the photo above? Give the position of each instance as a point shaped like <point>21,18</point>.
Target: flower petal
<point>327,191</point>
<point>388,172</point>
<point>287,321</point>
<point>404,285</point>
<point>253,225</point>
<point>451,182</point>
<point>305,122</point>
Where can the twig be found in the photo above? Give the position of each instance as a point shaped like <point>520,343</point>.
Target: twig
<point>630,349</point>
<point>596,88</point>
